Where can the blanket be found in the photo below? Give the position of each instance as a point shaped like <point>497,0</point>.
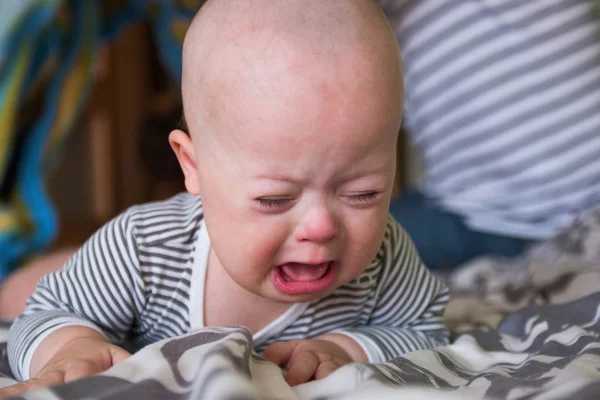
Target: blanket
<point>556,271</point>
<point>527,328</point>
<point>537,352</point>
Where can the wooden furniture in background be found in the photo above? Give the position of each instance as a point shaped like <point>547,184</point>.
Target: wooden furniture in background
<point>102,171</point>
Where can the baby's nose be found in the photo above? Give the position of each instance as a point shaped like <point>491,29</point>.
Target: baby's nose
<point>319,226</point>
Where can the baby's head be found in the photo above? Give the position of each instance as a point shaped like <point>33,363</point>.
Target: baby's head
<point>293,108</point>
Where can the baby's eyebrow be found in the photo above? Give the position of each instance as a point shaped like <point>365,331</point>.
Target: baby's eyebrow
<point>276,177</point>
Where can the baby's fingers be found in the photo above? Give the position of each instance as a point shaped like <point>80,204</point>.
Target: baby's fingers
<point>14,390</point>
<point>50,379</point>
<point>280,352</point>
<point>326,368</point>
<point>118,355</point>
<point>301,368</point>
<point>80,369</point>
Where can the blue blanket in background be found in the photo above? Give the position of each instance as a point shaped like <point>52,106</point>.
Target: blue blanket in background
<point>47,52</point>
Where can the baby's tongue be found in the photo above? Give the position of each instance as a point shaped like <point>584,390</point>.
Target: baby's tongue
<point>304,272</point>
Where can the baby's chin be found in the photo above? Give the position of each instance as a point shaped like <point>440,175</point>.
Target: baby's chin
<point>281,298</point>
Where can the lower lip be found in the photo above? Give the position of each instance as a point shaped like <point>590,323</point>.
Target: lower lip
<point>300,287</point>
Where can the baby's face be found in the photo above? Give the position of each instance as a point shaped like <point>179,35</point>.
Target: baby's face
<point>296,161</point>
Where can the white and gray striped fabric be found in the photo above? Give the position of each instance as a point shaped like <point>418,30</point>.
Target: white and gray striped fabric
<point>132,281</point>
<point>502,100</point>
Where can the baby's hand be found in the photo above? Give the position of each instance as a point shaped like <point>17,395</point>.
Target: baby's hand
<point>307,359</point>
<point>77,359</point>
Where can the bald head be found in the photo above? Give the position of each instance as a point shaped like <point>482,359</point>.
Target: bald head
<point>316,22</point>
<point>231,43</point>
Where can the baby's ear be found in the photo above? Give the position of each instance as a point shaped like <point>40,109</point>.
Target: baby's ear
<point>181,144</point>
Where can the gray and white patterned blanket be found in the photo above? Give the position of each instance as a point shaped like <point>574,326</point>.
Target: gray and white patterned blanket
<point>525,329</point>
<point>536,353</point>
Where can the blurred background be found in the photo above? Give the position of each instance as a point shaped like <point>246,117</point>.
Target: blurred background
<point>89,93</point>
<point>117,153</point>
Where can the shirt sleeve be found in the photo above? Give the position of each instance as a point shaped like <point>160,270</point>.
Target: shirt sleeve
<point>409,305</point>
<point>100,287</point>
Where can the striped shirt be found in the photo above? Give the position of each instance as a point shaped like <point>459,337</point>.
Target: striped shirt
<point>502,100</point>
<point>140,278</point>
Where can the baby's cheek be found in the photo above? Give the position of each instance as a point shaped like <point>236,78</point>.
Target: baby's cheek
<point>268,238</point>
<point>365,236</point>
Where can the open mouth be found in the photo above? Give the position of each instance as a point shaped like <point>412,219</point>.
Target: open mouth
<point>298,278</point>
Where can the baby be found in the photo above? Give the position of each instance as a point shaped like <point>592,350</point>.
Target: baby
<point>293,110</point>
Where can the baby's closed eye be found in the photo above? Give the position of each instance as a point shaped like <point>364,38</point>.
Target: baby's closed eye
<point>363,198</point>
<point>274,202</point>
